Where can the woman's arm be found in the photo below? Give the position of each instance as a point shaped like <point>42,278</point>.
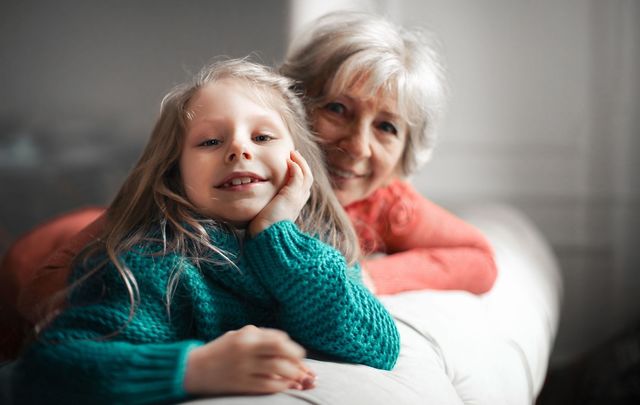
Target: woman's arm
<point>427,247</point>
<point>51,271</point>
<point>459,268</point>
<point>320,304</point>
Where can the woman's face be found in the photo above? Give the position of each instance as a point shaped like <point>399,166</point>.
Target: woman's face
<point>363,138</point>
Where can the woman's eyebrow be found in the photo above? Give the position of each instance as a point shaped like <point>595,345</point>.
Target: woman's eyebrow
<point>391,114</point>
<point>385,110</point>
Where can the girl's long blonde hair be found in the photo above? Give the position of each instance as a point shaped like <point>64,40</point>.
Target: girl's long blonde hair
<point>152,195</point>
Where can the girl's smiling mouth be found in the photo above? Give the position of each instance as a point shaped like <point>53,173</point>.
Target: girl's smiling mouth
<point>240,181</point>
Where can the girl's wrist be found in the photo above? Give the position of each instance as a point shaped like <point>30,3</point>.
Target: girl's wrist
<point>255,227</point>
<point>193,371</point>
<point>258,227</point>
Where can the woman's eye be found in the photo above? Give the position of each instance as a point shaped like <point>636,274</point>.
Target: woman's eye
<point>211,142</point>
<point>263,138</point>
<point>337,108</point>
<point>388,127</point>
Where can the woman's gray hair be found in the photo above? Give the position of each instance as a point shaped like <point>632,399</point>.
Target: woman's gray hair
<point>342,48</point>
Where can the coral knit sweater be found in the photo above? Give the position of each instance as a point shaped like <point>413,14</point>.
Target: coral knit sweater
<point>426,247</point>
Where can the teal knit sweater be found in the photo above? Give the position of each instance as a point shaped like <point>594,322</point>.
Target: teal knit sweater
<point>284,279</point>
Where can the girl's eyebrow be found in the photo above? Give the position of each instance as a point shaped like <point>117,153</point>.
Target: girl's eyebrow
<point>253,118</point>
<point>256,120</point>
<point>205,122</point>
<point>265,118</point>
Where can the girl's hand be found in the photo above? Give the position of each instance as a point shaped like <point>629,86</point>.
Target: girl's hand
<point>250,360</point>
<point>289,200</point>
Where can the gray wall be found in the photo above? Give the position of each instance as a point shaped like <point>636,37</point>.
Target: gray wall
<point>82,83</point>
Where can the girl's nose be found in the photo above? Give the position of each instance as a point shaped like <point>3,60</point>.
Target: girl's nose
<point>357,142</point>
<point>238,150</point>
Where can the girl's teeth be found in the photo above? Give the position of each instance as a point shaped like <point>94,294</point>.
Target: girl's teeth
<point>238,181</point>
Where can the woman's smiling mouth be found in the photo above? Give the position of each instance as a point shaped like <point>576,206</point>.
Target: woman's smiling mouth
<point>344,174</point>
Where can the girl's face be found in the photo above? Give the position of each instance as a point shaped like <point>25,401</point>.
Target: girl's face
<point>234,156</point>
<point>363,138</point>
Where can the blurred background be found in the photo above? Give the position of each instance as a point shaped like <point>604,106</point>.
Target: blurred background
<point>543,116</point>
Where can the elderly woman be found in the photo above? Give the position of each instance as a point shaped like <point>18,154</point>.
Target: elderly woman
<point>374,94</point>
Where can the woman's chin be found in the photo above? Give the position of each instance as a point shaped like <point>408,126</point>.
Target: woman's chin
<point>346,196</point>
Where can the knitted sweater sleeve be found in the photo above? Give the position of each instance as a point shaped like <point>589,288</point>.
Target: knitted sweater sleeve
<point>94,352</point>
<point>319,304</point>
<point>428,248</point>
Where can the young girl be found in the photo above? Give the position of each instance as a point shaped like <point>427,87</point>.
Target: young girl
<point>220,225</point>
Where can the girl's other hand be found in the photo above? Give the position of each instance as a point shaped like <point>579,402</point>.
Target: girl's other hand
<point>250,360</point>
<point>287,204</point>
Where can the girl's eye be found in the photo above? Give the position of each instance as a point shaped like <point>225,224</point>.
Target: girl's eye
<point>388,127</point>
<point>263,138</point>
<point>337,108</point>
<point>211,142</point>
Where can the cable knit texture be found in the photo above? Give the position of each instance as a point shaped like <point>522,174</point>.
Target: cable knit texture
<point>284,279</point>
<point>427,247</point>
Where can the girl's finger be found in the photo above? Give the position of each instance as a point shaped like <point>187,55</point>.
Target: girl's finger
<point>301,161</point>
<point>307,370</point>
<point>271,384</point>
<point>290,350</point>
<point>295,174</point>
<point>277,343</point>
<point>309,379</point>
<point>304,166</point>
<point>281,367</point>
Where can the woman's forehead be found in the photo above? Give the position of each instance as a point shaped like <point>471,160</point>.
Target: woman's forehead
<point>381,101</point>
<point>363,88</point>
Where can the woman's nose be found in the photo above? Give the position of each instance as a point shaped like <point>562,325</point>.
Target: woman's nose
<point>357,142</point>
<point>238,149</point>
